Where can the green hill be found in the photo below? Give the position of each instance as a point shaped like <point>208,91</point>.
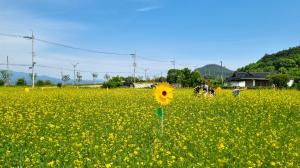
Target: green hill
<point>213,70</point>
<point>285,61</point>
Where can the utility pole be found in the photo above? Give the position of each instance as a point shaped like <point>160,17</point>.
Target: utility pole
<point>134,64</point>
<point>61,75</point>
<point>145,75</point>
<point>8,72</point>
<point>74,73</point>
<point>32,57</point>
<point>222,72</point>
<point>173,62</point>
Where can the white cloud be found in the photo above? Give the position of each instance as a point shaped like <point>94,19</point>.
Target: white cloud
<point>147,9</point>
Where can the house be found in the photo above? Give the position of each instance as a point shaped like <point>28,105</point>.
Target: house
<point>246,79</point>
<point>207,79</point>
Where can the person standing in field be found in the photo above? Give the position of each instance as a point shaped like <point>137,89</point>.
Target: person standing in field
<point>197,89</point>
<point>236,91</point>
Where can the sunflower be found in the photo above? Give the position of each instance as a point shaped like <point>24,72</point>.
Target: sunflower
<point>163,93</point>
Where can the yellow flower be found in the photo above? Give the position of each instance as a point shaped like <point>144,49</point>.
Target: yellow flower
<point>26,90</point>
<point>163,93</point>
<point>219,89</point>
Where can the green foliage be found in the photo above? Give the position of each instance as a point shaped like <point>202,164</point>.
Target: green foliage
<point>47,82</point>
<point>117,80</point>
<point>59,85</point>
<point>109,84</point>
<point>173,75</point>
<point>128,79</point>
<point>30,76</point>
<point>1,82</point>
<point>279,80</point>
<point>286,61</point>
<point>65,78</point>
<point>190,79</point>
<point>21,82</point>
<point>40,83</point>
<point>5,76</point>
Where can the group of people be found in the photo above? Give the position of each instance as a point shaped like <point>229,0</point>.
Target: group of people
<point>206,91</point>
<point>209,91</point>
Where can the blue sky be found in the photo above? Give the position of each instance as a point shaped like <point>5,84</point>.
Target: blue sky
<point>193,33</point>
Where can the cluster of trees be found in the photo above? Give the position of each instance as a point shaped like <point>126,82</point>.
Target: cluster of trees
<point>185,77</point>
<point>286,62</point>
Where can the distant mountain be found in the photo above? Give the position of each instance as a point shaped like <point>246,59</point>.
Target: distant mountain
<point>214,70</point>
<point>17,75</point>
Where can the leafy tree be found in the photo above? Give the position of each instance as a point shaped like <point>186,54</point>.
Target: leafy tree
<point>79,77</point>
<point>211,77</point>
<point>94,76</point>
<point>282,70</point>
<point>286,63</point>
<point>65,78</point>
<point>296,82</point>
<point>185,77</point>
<point>47,82</point>
<point>117,80</point>
<point>30,76</point>
<point>21,82</point>
<point>269,69</point>
<point>40,83</point>
<point>279,80</point>
<point>5,76</point>
<point>106,77</point>
<point>196,79</point>
<point>173,75</point>
<point>109,84</point>
<point>2,82</point>
<point>131,79</point>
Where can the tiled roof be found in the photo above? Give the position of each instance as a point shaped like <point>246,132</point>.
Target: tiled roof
<point>238,76</point>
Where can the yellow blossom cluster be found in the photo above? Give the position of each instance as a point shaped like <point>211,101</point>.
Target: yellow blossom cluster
<point>89,127</point>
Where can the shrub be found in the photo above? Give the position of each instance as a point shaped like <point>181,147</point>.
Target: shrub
<point>109,84</point>
<point>21,82</point>
<point>59,85</point>
<point>1,82</point>
<point>48,82</point>
<point>40,83</point>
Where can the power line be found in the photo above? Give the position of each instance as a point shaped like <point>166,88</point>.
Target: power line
<point>151,59</point>
<point>62,45</point>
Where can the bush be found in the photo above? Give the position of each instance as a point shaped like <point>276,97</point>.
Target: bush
<point>109,84</point>
<point>48,82</point>
<point>59,85</point>
<point>298,87</point>
<point>40,83</point>
<point>21,82</point>
<point>1,82</point>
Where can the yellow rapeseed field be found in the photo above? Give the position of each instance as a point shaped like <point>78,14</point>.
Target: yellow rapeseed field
<point>88,127</point>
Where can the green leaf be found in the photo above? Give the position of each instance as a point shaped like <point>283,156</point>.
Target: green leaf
<point>159,112</point>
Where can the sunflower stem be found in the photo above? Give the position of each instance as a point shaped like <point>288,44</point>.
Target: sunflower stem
<point>162,120</point>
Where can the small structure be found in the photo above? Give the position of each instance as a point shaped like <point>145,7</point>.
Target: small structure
<point>246,79</point>
<point>176,85</point>
<point>207,79</point>
<point>128,84</point>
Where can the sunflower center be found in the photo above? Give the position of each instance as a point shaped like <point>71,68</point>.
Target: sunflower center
<point>164,93</point>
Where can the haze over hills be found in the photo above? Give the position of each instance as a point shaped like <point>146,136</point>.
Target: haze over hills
<point>17,75</point>
<point>214,70</point>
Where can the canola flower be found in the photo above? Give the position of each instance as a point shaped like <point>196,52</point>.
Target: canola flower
<point>89,127</point>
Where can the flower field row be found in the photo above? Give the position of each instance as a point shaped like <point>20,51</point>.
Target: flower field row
<point>88,127</point>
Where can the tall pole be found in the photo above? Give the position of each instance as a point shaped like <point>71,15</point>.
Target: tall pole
<point>145,75</point>
<point>8,72</point>
<point>173,62</point>
<point>134,66</point>
<point>222,72</point>
<point>32,60</point>
<point>74,73</point>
